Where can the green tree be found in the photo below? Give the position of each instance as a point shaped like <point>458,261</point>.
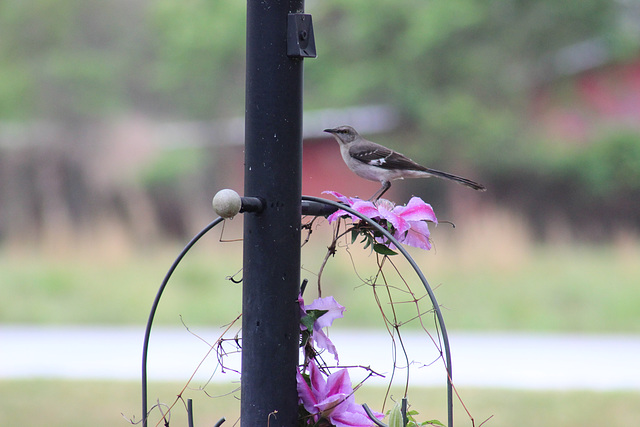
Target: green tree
<point>459,70</point>
<point>199,56</point>
<point>66,59</point>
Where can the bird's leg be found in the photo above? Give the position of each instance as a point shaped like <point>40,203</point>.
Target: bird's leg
<point>385,186</point>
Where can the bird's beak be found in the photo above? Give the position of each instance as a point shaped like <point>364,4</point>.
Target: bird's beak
<point>329,130</point>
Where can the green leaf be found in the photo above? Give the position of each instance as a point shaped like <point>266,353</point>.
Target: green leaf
<point>354,235</point>
<point>368,241</point>
<point>383,249</point>
<point>307,321</point>
<point>311,317</point>
<point>304,337</point>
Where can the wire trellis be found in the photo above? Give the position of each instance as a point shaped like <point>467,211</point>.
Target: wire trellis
<point>425,283</point>
<point>308,209</point>
<point>154,307</point>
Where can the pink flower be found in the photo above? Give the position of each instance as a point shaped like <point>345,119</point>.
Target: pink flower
<point>331,398</point>
<point>332,310</point>
<point>409,223</point>
<point>365,207</point>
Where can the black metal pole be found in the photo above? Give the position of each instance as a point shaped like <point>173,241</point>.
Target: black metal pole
<point>273,165</point>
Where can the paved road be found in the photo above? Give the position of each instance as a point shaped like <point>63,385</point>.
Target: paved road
<point>519,361</point>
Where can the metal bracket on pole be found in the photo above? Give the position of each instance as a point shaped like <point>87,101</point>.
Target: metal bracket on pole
<point>301,42</point>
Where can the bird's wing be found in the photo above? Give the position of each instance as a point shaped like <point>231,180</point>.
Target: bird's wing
<point>382,157</point>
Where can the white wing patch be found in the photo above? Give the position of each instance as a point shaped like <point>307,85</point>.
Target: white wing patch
<point>378,162</point>
<point>376,157</point>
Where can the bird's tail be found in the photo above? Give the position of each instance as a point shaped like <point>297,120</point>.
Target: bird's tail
<point>456,178</point>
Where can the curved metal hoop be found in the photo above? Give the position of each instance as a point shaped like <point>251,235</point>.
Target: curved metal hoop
<point>154,307</point>
<point>434,302</point>
<point>337,205</point>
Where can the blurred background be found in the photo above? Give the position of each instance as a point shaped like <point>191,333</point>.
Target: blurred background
<point>120,119</point>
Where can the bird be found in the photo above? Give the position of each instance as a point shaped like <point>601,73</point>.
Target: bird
<point>375,162</point>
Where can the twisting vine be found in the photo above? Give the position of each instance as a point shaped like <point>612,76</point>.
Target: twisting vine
<point>381,227</point>
<point>325,392</point>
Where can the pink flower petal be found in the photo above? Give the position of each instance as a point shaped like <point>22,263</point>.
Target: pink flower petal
<point>331,404</point>
<point>305,394</point>
<point>338,214</point>
<point>418,235</point>
<point>366,208</point>
<point>318,383</point>
<point>323,341</point>
<point>339,196</point>
<point>354,416</point>
<point>332,399</point>
<point>388,212</point>
<point>339,382</point>
<point>334,310</point>
<point>416,210</point>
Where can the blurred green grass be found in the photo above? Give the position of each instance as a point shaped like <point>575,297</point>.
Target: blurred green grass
<point>503,286</point>
<point>106,403</point>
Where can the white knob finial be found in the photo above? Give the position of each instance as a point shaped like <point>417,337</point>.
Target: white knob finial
<point>227,203</point>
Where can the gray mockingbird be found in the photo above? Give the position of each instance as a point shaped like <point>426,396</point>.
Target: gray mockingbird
<point>375,162</point>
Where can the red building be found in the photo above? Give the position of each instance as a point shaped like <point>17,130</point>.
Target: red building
<point>578,106</point>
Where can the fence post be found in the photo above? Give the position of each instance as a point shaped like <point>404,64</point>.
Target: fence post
<point>271,255</point>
